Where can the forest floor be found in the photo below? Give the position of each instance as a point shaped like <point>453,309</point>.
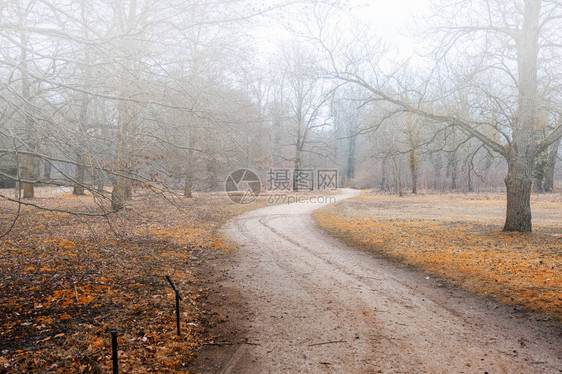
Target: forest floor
<point>458,237</point>
<point>66,281</point>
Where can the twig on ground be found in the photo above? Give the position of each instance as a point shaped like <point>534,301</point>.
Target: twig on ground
<point>330,342</point>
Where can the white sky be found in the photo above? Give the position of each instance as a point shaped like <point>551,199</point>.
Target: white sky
<point>392,19</point>
<point>389,19</point>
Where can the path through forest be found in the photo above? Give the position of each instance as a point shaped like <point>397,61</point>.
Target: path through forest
<point>312,304</point>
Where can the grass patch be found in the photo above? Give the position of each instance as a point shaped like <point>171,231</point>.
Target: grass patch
<point>460,239</point>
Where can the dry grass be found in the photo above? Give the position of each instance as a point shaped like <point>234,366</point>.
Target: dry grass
<point>459,238</point>
<point>66,282</point>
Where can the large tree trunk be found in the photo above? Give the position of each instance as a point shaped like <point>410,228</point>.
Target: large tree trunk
<point>518,183</point>
<point>523,150</point>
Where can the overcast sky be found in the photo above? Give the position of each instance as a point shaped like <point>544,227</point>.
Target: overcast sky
<point>392,20</point>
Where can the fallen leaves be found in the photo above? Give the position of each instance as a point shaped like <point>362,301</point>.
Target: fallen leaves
<point>517,269</point>
<point>66,282</point>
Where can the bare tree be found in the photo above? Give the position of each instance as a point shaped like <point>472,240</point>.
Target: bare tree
<point>305,95</point>
<point>349,122</point>
<point>502,52</point>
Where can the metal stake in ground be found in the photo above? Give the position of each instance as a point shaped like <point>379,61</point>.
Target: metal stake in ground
<point>178,298</point>
<point>178,313</point>
<point>114,352</point>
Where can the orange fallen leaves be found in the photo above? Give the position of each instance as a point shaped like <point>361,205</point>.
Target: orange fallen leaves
<point>81,278</point>
<point>44,320</point>
<point>517,269</point>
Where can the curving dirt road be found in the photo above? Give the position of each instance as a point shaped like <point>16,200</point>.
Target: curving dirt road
<point>315,305</point>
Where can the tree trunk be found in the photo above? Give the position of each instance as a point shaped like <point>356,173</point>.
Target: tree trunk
<point>47,167</point>
<point>453,170</point>
<point>121,189</point>
<point>518,183</point>
<point>470,171</point>
<point>351,159</point>
<point>17,190</point>
<point>413,161</point>
<point>190,167</point>
<point>551,167</point>
<point>538,184</point>
<point>469,180</point>
<point>297,164</point>
<point>398,177</point>
<point>80,171</point>
<point>522,151</point>
<point>437,163</point>
<point>188,177</point>
<point>540,167</point>
<point>187,187</point>
<point>383,175</point>
<point>212,174</point>
<point>79,178</point>
<point>28,190</point>
<point>83,127</point>
<point>119,194</point>
<point>99,176</point>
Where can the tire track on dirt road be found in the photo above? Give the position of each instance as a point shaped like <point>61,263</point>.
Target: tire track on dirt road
<point>319,306</point>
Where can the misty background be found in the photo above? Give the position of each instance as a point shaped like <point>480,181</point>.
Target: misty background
<point>110,97</point>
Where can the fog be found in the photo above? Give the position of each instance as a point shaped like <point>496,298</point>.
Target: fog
<point>113,97</point>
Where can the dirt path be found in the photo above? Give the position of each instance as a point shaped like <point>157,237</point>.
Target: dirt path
<point>312,304</point>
